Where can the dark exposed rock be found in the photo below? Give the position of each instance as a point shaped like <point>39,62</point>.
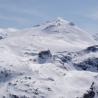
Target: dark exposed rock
<point>66,59</point>
<point>1,37</point>
<point>49,27</point>
<point>16,96</point>
<point>88,63</point>
<point>44,56</point>
<point>36,91</point>
<point>5,74</point>
<point>92,49</point>
<point>62,58</point>
<point>89,94</point>
<point>13,96</point>
<point>71,24</point>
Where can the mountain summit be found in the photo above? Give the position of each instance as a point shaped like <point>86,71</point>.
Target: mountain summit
<point>66,30</point>
<point>56,22</point>
<point>59,21</point>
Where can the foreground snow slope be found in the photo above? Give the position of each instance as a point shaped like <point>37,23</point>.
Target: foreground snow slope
<point>50,60</point>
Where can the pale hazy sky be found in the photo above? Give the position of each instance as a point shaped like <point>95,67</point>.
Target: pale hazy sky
<point>26,13</point>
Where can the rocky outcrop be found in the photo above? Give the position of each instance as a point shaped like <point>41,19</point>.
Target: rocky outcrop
<point>90,63</point>
<point>44,56</point>
<point>3,35</point>
<point>92,49</point>
<point>90,93</point>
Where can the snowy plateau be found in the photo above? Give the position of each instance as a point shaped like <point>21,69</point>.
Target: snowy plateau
<point>55,59</point>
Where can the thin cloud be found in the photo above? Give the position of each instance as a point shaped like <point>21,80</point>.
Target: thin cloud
<point>95,15</point>
<point>31,12</point>
<point>21,16</point>
<point>13,18</point>
<point>92,15</point>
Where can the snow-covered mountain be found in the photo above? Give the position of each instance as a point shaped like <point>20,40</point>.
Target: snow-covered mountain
<point>66,30</point>
<point>55,59</point>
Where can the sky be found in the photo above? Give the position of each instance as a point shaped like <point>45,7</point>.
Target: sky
<point>26,13</point>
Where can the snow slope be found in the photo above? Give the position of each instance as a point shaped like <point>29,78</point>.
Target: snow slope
<point>50,60</point>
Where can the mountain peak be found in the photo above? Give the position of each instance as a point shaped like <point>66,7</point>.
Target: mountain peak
<point>57,25</point>
<point>60,19</point>
<point>57,22</point>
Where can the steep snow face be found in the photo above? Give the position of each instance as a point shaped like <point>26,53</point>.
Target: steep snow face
<point>48,61</point>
